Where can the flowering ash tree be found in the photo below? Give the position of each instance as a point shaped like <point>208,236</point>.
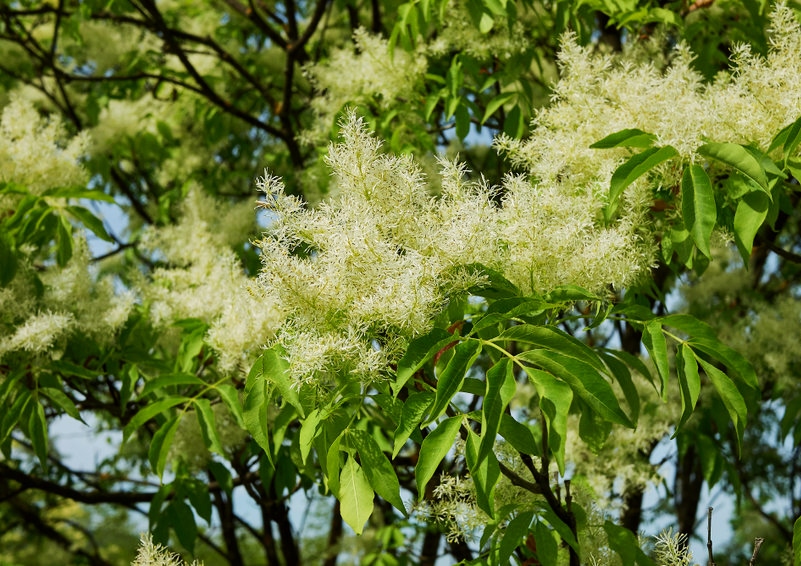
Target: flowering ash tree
<point>445,347</point>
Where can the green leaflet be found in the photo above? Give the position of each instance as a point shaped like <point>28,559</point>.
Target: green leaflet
<point>551,338</point>
<point>737,157</point>
<point>37,429</point>
<point>378,469</point>
<point>585,381</point>
<point>689,382</point>
<point>797,541</point>
<point>208,426</point>
<point>625,544</point>
<point>632,137</point>
<point>433,449</point>
<point>414,409</point>
<point>501,387</point>
<point>654,341</point>
<point>355,496</point>
<point>308,430</point>
<point>160,444</point>
<point>451,379</point>
<point>149,412</point>
<point>555,399</point>
<point>515,532</point>
<point>173,379</point>
<point>418,353</point>
<point>273,366</point>
<point>731,397</point>
<point>698,206</point>
<point>518,435</point>
<point>636,166</point>
<point>752,209</point>
<point>485,474</point>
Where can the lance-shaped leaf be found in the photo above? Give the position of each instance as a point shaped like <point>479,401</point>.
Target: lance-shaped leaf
<point>414,409</point>
<point>689,382</point>
<point>161,443</point>
<point>450,381</point>
<point>654,341</point>
<point>149,412</point>
<point>625,544</point>
<point>731,397</point>
<point>585,381</point>
<point>501,387</point>
<point>736,157</point>
<point>555,400</point>
<point>752,209</point>
<point>420,350</point>
<point>208,426</point>
<point>355,496</point>
<point>434,448</point>
<point>37,432</point>
<point>274,367</point>
<point>632,137</point>
<point>377,468</point>
<point>515,533</point>
<point>698,206</point>
<point>485,474</point>
<point>551,338</point>
<point>636,166</point>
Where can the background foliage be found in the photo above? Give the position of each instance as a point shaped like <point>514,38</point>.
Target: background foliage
<point>491,357</point>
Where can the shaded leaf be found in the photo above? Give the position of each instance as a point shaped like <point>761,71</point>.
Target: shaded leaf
<point>378,469</point>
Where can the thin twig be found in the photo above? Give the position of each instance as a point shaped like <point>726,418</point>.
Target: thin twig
<point>711,561</point>
<point>757,545</point>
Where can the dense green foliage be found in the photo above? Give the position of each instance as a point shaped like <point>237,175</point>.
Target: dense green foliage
<point>487,353</point>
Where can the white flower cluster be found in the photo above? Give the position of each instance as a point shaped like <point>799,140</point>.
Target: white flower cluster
<point>361,74</point>
<point>35,151</point>
<point>35,154</point>
<point>371,267</point>
<point>150,554</point>
<point>205,279</point>
<point>602,94</point>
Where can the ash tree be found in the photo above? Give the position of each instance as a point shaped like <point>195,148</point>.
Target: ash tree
<point>266,248</point>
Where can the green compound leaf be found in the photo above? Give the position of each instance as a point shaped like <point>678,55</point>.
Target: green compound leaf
<point>434,448</point>
<point>378,469</point>
<point>355,496</point>
<point>698,206</point>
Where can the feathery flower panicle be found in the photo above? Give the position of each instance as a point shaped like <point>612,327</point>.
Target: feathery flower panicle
<point>151,554</point>
<point>206,281</point>
<point>362,73</point>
